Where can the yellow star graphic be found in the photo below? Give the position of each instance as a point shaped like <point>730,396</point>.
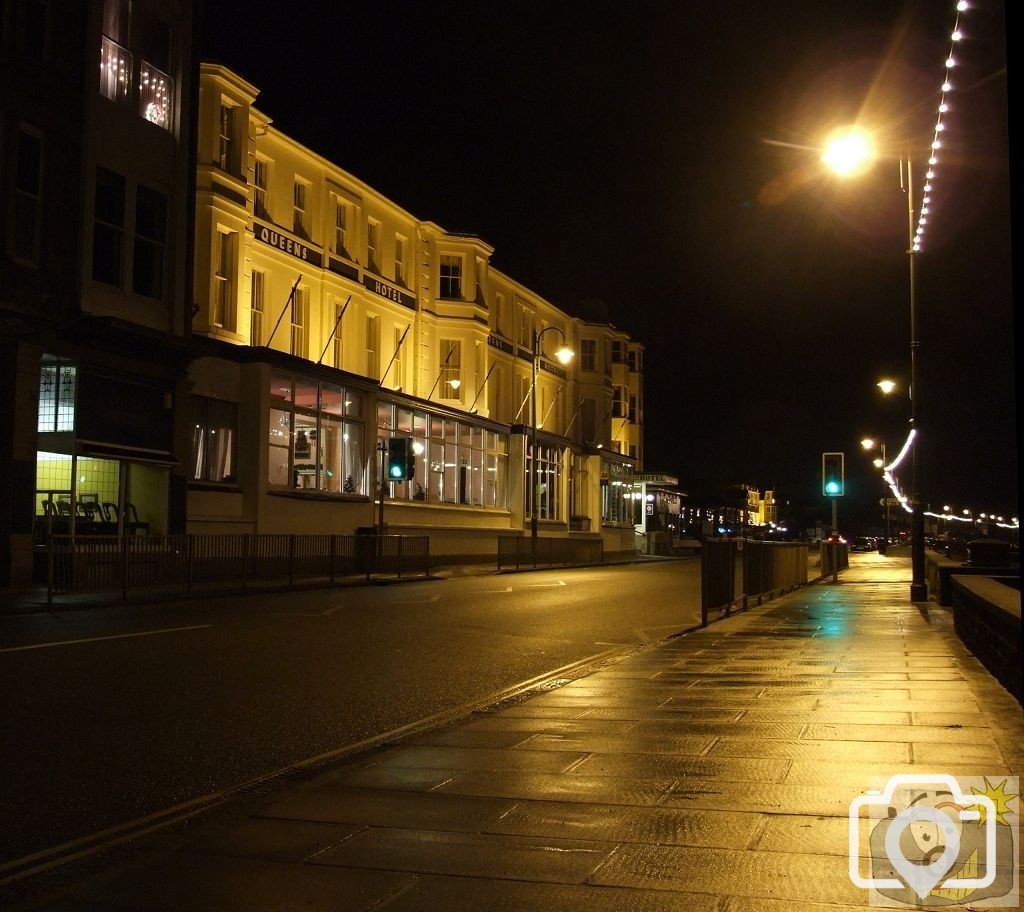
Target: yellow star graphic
<point>998,796</point>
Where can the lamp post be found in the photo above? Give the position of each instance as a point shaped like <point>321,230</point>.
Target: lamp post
<point>869,444</point>
<point>564,356</point>
<point>849,152</point>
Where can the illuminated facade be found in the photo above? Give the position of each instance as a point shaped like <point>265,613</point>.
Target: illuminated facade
<point>331,319</point>
<point>96,136</point>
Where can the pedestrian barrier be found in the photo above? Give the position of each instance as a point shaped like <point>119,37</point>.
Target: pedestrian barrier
<point>735,571</point>
<point>192,563</point>
<point>520,551</point>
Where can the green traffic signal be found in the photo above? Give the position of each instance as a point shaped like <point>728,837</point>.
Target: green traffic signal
<point>832,474</point>
<point>401,461</point>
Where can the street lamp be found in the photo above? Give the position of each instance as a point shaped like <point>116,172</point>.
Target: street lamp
<point>869,443</point>
<point>564,355</point>
<point>847,153</point>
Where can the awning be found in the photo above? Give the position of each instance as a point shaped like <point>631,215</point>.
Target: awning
<point>98,450</point>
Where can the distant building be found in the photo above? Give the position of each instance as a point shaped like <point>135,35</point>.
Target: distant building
<point>96,140</point>
<point>329,319</point>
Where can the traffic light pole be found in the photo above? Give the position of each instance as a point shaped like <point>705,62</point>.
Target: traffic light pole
<point>382,446</point>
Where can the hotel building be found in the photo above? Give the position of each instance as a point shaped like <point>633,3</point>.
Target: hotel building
<point>328,319</point>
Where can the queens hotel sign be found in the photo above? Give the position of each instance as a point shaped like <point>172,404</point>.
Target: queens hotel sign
<point>273,237</point>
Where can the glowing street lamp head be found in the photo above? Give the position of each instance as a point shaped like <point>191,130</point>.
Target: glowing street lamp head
<point>848,152</point>
<point>886,386</point>
<point>564,354</point>
<point>868,443</point>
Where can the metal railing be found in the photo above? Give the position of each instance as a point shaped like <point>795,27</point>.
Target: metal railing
<point>735,571</point>
<point>193,563</point>
<point>515,551</point>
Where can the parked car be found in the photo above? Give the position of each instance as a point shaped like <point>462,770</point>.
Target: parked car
<point>864,543</point>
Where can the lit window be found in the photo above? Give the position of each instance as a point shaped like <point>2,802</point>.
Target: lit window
<point>222,304</point>
<point>57,382</point>
<point>371,246</point>
<point>400,259</point>
<point>214,436</point>
<point>135,60</point>
<point>226,137</point>
<point>260,181</point>
<point>372,347</point>
<point>340,227</point>
<point>299,208</point>
<point>256,307</point>
<point>451,276</point>
<point>298,321</point>
<point>451,369</point>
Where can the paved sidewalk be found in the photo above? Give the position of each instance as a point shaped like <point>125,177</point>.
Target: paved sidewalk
<point>713,771</point>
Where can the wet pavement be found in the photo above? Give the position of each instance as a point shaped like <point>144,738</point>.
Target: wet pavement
<point>711,771</point>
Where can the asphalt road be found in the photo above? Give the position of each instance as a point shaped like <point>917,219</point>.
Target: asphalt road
<point>116,713</point>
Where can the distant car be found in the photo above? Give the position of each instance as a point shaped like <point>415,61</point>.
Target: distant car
<point>864,543</point>
<point>835,539</point>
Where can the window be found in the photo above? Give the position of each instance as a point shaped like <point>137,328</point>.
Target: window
<point>548,482</point>
<point>28,193</point>
<point>115,71</point>
<point>372,347</point>
<point>495,382</point>
<point>616,491</point>
<point>260,184</point>
<point>618,403</point>
<point>632,409</point>
<point>223,301</point>
<point>214,439</point>
<point>588,354</point>
<point>618,352</point>
<point>456,462</point>
<point>135,59</point>
<point>339,309</point>
<point>450,351</point>
<point>371,245</point>
<point>226,138</point>
<point>451,276</point>
<point>32,38</point>
<point>498,317</point>
<point>57,384</point>
<point>108,227</point>
<point>299,193</point>
<point>397,373</point>
<point>298,320</point>
<point>150,242</point>
<point>400,244</point>
<point>257,303</point>
<point>341,227</point>
<point>525,328</point>
<point>315,439</point>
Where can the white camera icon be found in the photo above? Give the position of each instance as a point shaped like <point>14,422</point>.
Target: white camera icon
<point>939,824</point>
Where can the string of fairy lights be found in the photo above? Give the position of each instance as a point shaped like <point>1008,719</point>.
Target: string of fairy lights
<point>940,126</point>
<point>888,471</point>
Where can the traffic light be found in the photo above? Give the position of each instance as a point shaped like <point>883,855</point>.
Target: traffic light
<point>832,474</point>
<point>401,459</point>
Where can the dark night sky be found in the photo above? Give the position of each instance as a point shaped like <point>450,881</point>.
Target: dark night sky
<point>655,155</point>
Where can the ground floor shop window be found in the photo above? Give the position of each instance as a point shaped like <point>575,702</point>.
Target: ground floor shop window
<point>315,436</point>
<point>214,437</point>
<point>616,492</point>
<point>456,461</point>
<point>548,481</point>
<point>83,495</point>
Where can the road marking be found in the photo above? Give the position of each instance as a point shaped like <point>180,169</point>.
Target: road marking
<point>545,585</point>
<point>118,636</point>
